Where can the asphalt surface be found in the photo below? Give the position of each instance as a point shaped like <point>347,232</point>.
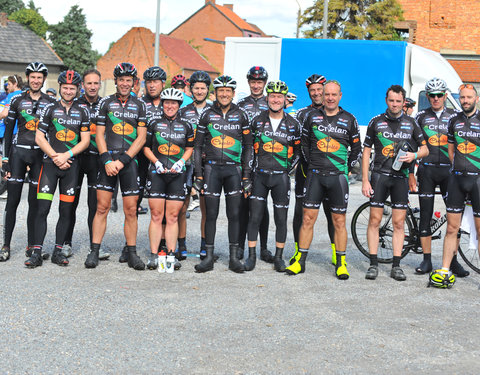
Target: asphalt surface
<point>115,320</point>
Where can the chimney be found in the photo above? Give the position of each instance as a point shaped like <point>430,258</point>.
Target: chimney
<point>3,19</point>
<point>229,6</point>
<point>209,1</point>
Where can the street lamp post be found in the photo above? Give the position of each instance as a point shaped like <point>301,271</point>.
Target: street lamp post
<point>325,18</point>
<point>157,35</point>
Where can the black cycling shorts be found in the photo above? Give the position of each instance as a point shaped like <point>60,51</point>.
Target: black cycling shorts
<point>167,186</point>
<point>18,161</point>
<point>318,187</point>
<point>89,165</point>
<point>278,184</point>
<point>461,188</point>
<point>217,176</point>
<point>67,180</point>
<point>384,186</point>
<point>429,177</point>
<point>128,177</point>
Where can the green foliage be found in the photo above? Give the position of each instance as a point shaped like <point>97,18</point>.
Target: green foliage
<point>32,20</point>
<point>354,19</point>
<point>11,6</point>
<point>71,41</point>
<point>31,5</point>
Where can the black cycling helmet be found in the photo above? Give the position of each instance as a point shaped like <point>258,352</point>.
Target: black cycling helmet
<point>71,77</point>
<point>315,78</point>
<point>53,91</point>
<point>200,76</point>
<point>224,81</point>
<point>257,72</point>
<point>36,67</point>
<point>410,103</point>
<point>125,69</point>
<point>154,73</point>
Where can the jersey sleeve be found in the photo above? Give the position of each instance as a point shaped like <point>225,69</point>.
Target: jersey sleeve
<point>10,121</point>
<point>450,130</point>
<point>355,144</point>
<point>142,115</point>
<point>295,144</point>
<point>247,147</point>
<point>190,135</point>
<point>370,135</point>
<point>305,139</point>
<point>101,113</point>
<point>85,126</point>
<point>198,143</point>
<point>418,135</point>
<point>45,118</point>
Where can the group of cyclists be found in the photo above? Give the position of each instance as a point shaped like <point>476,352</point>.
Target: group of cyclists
<point>159,148</point>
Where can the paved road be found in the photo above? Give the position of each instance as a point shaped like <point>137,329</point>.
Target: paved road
<point>118,321</point>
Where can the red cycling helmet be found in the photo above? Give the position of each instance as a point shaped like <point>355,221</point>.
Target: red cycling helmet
<point>179,80</point>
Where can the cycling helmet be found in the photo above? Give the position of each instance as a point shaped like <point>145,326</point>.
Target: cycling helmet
<point>439,279</point>
<point>179,79</point>
<point>257,72</point>
<point>279,87</point>
<point>200,76</point>
<point>436,86</point>
<point>36,67</point>
<point>315,78</point>
<point>125,69</point>
<point>172,94</point>
<point>154,73</point>
<point>224,81</point>
<point>53,91</point>
<point>410,103</point>
<point>291,96</point>
<point>71,77</point>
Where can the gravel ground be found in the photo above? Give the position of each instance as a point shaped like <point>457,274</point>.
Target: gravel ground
<point>115,320</point>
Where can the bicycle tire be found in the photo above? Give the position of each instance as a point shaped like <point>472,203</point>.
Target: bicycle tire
<point>470,255</point>
<point>359,227</point>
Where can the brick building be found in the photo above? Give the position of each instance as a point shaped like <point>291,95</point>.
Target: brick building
<point>137,46</point>
<point>207,28</point>
<point>451,27</point>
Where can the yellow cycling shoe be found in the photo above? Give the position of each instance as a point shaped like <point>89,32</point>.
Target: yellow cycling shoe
<point>341,271</point>
<point>298,266</point>
<point>334,255</point>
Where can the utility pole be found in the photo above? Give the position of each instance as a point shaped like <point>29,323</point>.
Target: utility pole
<point>157,35</point>
<point>298,18</point>
<point>325,18</point>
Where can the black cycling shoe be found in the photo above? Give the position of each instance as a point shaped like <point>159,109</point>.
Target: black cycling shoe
<point>207,263</point>
<point>181,253</point>
<point>266,255</point>
<point>59,258</point>
<point>134,260</point>
<point>457,268</point>
<point>251,260</point>
<point>240,253</point>
<point>234,264</point>
<point>35,260</point>
<point>4,253</point>
<point>124,255</point>
<point>92,259</point>
<point>424,267</point>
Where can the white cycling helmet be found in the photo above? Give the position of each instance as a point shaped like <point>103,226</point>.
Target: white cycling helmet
<point>172,94</point>
<point>291,97</point>
<point>436,86</point>
<point>224,81</point>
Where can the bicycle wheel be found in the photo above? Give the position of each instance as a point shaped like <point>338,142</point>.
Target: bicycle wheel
<point>468,253</point>
<point>385,248</point>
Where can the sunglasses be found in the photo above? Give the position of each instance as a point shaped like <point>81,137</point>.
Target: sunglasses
<point>439,95</point>
<point>466,86</point>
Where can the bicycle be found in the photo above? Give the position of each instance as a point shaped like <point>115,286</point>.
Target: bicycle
<point>412,235</point>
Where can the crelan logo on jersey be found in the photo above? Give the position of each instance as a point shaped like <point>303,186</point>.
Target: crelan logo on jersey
<point>32,125</point>
<point>388,151</point>
<point>466,147</point>
<point>273,147</point>
<point>328,144</point>
<point>438,141</point>
<point>222,141</point>
<point>126,129</point>
<point>169,149</point>
<point>65,136</point>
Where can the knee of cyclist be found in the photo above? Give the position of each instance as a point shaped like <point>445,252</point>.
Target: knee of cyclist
<point>130,210</point>
<point>308,221</point>
<point>172,219</point>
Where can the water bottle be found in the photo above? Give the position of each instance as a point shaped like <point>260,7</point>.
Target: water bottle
<point>162,262</point>
<point>397,164</point>
<point>436,215</point>
<point>170,263</point>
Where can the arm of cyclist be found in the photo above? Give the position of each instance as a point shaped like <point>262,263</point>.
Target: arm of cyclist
<point>451,151</point>
<point>110,168</point>
<point>412,182</point>
<point>366,187</point>
<point>355,146</point>
<point>411,156</point>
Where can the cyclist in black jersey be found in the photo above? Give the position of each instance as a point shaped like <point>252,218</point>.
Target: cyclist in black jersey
<point>63,133</point>
<point>433,170</point>
<point>464,182</point>
<point>253,105</point>
<point>327,135</point>
<point>169,145</point>
<point>87,160</point>
<point>199,85</point>
<point>314,85</point>
<point>223,135</point>
<point>276,152</point>
<point>21,151</point>
<point>121,133</point>
<point>388,133</point>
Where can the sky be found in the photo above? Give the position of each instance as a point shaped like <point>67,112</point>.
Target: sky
<point>109,20</point>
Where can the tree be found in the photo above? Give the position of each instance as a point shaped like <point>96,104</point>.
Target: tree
<point>71,41</point>
<point>11,6</point>
<point>31,5</point>
<point>354,19</point>
<point>32,20</point>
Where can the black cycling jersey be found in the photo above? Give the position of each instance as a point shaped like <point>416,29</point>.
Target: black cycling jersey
<point>435,133</point>
<point>25,112</point>
<point>191,114</point>
<point>121,120</point>
<point>325,142</point>
<point>92,110</point>
<point>168,139</point>
<point>384,133</point>
<point>152,110</point>
<point>275,151</point>
<point>63,129</point>
<point>464,134</point>
<point>253,106</point>
<point>224,139</point>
